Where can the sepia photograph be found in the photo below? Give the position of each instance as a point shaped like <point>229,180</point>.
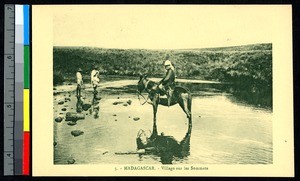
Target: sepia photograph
<point>162,88</point>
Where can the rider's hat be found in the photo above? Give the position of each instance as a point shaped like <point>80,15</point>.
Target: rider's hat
<point>167,63</point>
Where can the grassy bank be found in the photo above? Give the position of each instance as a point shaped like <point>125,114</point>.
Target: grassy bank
<point>249,67</point>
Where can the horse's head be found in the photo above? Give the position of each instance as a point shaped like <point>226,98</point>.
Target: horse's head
<point>141,83</point>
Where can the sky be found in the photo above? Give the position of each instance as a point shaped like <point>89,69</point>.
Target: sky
<point>164,27</point>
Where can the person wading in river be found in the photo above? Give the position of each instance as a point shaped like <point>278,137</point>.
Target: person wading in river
<point>79,83</point>
<point>95,79</point>
<point>167,84</point>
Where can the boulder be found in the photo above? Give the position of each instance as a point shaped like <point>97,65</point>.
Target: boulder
<point>58,119</point>
<point>77,133</point>
<point>86,106</point>
<point>71,123</point>
<point>95,114</point>
<point>67,99</point>
<point>136,118</point>
<point>125,104</point>
<point>72,116</point>
<point>129,102</point>
<point>96,107</point>
<point>117,102</point>
<point>78,109</point>
<point>97,97</point>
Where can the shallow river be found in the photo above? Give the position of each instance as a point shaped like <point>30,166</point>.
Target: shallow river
<point>224,131</point>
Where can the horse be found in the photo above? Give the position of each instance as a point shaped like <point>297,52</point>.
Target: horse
<point>166,147</point>
<point>181,96</point>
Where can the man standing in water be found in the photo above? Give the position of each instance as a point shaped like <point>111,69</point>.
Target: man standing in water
<point>95,79</point>
<point>167,84</point>
<point>79,83</point>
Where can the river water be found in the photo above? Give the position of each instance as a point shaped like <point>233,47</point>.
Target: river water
<point>225,130</point>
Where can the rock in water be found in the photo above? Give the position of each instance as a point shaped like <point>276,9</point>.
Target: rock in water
<point>71,123</point>
<point>61,102</point>
<point>77,133</point>
<point>136,118</point>
<point>58,119</point>
<point>96,108</point>
<point>71,161</point>
<point>64,109</point>
<point>86,106</point>
<point>117,102</point>
<point>129,102</point>
<point>95,114</point>
<point>72,116</point>
<point>67,99</point>
<point>78,109</point>
<point>54,143</point>
<point>97,98</point>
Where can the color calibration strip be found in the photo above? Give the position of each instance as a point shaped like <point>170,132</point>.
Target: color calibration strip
<point>19,86</point>
<point>16,90</point>
<point>26,97</point>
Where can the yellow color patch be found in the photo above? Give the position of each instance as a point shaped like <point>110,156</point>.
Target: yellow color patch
<point>26,112</point>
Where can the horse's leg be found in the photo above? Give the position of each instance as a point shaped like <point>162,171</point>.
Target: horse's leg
<point>155,105</point>
<point>189,106</point>
<point>184,104</point>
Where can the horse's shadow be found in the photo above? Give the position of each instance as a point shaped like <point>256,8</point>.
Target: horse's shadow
<point>166,147</point>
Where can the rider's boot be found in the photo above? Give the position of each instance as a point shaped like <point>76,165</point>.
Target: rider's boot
<point>169,95</point>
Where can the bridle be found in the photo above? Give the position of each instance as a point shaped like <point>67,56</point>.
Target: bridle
<point>140,92</point>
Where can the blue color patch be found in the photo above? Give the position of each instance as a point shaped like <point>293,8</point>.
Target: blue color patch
<point>26,24</point>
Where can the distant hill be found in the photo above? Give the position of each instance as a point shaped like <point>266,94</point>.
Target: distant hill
<point>252,47</point>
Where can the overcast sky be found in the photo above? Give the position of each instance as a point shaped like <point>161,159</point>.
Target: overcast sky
<point>165,27</point>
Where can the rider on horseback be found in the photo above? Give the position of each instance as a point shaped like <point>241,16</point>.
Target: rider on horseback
<point>167,84</point>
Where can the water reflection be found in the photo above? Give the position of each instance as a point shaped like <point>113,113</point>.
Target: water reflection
<point>261,97</point>
<point>226,130</point>
<point>165,147</point>
<point>257,97</point>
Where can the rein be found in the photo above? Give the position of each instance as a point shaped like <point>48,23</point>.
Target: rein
<point>139,94</point>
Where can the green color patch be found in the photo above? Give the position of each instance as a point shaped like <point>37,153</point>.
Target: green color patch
<point>26,67</point>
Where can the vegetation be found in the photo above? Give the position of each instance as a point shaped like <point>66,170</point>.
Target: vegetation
<point>249,66</point>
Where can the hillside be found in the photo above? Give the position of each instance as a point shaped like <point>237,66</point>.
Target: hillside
<point>251,63</point>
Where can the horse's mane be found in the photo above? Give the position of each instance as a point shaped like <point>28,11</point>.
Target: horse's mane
<point>150,84</point>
